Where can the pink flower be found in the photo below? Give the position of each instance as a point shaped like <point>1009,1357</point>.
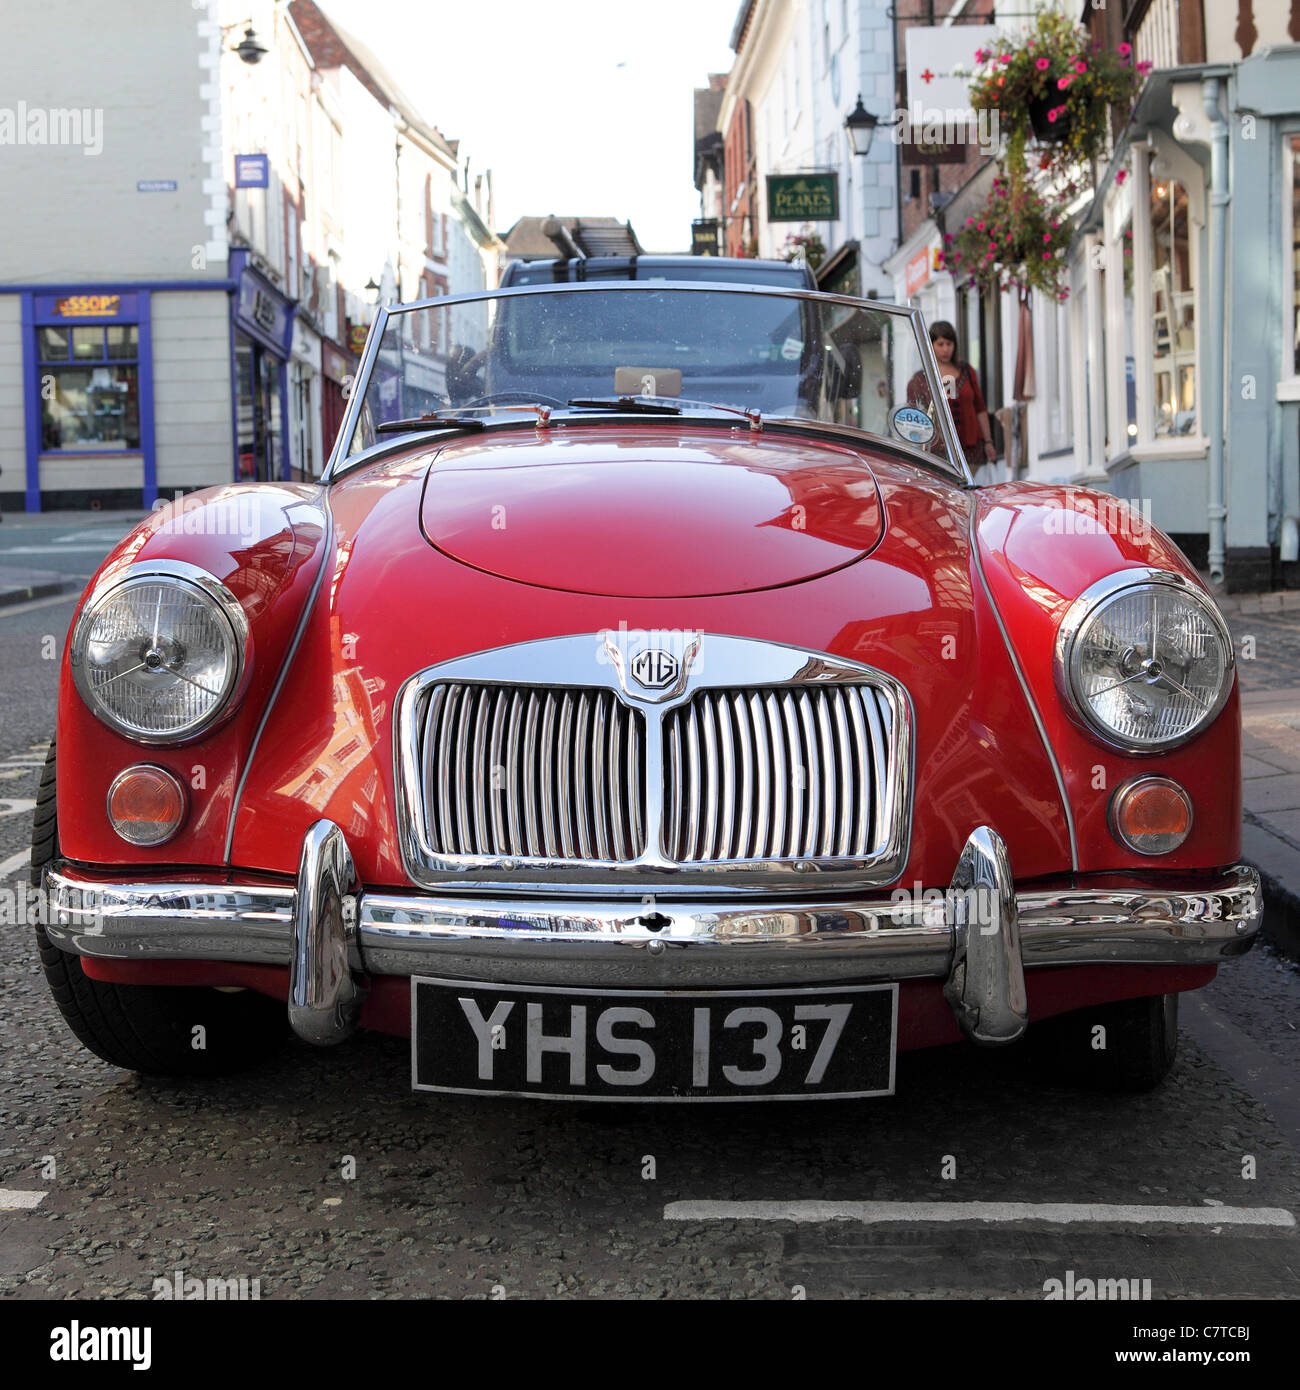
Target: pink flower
<point>1081,67</point>
<point>1124,50</point>
<point>970,221</point>
<point>981,226</point>
<point>947,236</point>
<point>1042,65</point>
<point>1004,57</point>
<point>1062,83</point>
<point>1121,176</point>
<point>1047,236</point>
<point>1145,67</point>
<point>1063,294</point>
<point>1055,225</point>
<point>1052,114</point>
<point>1047,255</point>
<point>982,55</point>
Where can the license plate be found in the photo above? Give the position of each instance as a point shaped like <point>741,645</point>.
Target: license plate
<point>653,1045</point>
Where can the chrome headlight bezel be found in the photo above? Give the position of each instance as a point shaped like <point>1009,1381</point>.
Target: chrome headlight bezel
<point>1095,598</point>
<point>210,589</point>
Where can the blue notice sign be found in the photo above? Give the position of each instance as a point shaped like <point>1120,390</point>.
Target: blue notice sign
<point>155,186</point>
<point>252,171</point>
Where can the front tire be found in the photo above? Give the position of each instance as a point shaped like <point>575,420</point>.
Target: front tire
<point>159,1030</point>
<point>1129,1045</point>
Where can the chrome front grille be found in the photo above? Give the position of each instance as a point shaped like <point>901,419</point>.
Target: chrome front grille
<point>551,763</point>
<point>785,773</point>
<point>530,773</point>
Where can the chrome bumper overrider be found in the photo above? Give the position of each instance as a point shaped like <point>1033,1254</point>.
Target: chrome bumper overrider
<point>978,936</point>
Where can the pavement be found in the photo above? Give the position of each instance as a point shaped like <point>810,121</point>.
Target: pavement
<point>56,552</point>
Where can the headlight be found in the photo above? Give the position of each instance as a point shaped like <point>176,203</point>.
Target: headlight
<point>158,654</point>
<point>1144,659</point>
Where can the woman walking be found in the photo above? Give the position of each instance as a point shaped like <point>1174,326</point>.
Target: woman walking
<point>969,413</point>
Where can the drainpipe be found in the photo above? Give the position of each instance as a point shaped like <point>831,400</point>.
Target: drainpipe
<point>1214,338</point>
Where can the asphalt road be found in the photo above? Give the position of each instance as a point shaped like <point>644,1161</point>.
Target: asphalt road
<point>131,1180</point>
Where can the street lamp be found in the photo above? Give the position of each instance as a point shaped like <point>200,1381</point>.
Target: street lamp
<point>860,125</point>
<point>249,47</point>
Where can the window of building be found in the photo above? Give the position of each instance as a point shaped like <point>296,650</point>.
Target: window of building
<point>1293,252</point>
<point>90,387</point>
<point>1129,310</point>
<point>1172,309</point>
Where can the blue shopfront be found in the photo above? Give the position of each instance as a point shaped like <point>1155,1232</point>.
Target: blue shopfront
<point>261,342</point>
<point>87,394</point>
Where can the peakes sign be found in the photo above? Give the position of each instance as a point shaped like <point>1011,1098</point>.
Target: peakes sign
<point>803,197</point>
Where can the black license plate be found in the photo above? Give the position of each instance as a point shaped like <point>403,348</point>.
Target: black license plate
<point>653,1045</point>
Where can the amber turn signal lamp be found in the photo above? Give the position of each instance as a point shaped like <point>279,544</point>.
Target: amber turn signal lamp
<point>146,805</point>
<point>1151,815</point>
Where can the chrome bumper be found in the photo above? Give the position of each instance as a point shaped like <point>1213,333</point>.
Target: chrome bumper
<point>978,936</point>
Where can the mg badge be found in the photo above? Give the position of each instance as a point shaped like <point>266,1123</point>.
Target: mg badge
<point>655,668</point>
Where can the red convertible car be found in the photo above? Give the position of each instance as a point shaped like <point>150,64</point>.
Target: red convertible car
<point>644,706</point>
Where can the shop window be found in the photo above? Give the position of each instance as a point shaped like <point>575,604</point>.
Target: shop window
<point>1173,309</point>
<point>90,388</point>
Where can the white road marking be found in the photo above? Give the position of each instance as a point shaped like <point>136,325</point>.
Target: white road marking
<point>12,610</point>
<point>13,1200</point>
<point>16,806</point>
<point>15,861</point>
<point>102,548</point>
<point>23,762</point>
<point>1055,1213</point>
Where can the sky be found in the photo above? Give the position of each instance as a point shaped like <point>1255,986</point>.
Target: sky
<point>581,109</point>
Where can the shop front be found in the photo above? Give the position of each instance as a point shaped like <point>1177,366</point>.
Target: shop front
<point>88,399</point>
<point>263,345</point>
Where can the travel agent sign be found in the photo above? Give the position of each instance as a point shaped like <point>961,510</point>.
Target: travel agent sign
<point>803,197</point>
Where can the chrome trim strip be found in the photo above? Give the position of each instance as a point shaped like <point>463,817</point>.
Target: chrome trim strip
<point>668,858</point>
<point>326,987</point>
<point>326,564</point>
<point>355,405</point>
<point>583,942</point>
<point>1083,607</point>
<point>1024,687</point>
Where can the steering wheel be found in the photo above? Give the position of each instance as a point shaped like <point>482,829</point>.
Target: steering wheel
<point>518,397</point>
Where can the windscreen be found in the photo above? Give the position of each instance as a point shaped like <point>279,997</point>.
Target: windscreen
<point>784,355</point>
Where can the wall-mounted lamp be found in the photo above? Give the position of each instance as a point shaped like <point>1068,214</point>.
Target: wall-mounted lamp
<point>249,48</point>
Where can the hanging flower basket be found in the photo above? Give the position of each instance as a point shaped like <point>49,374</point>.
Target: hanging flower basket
<point>1051,121</point>
<point>1020,239</point>
<point>1054,71</point>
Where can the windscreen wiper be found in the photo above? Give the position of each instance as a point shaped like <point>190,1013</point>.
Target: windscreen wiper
<point>434,420</point>
<point>661,405</point>
<point>633,405</point>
